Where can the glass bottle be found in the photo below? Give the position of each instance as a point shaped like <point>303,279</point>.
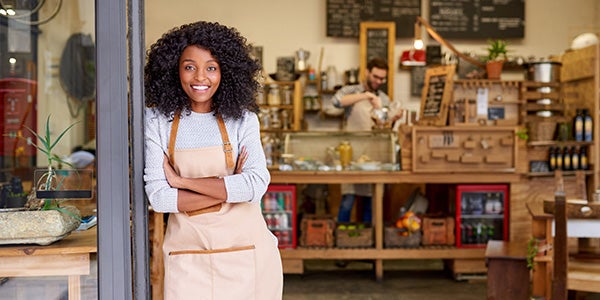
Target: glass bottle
<point>345,150</point>
<point>552,159</point>
<point>559,158</point>
<point>575,161</point>
<point>583,159</point>
<point>587,126</point>
<point>567,166</point>
<point>578,125</point>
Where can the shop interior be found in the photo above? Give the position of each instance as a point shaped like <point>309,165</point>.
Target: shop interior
<point>483,175</point>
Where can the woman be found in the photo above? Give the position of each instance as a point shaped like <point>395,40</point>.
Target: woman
<point>201,85</point>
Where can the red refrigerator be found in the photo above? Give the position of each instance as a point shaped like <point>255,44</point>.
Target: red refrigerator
<point>481,214</point>
<point>279,209</point>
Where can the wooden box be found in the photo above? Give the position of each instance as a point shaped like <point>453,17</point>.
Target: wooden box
<point>354,235</point>
<point>395,239</point>
<point>438,231</point>
<point>317,231</point>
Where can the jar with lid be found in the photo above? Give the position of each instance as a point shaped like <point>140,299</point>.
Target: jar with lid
<point>287,95</point>
<point>275,120</point>
<point>285,120</point>
<point>345,150</point>
<point>274,98</point>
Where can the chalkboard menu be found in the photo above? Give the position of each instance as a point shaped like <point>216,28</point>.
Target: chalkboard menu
<point>344,16</point>
<point>478,18</point>
<point>377,39</point>
<point>436,95</point>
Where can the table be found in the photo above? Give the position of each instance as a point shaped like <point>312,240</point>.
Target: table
<point>67,257</point>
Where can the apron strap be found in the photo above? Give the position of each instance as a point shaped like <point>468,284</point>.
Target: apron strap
<point>173,137</point>
<point>226,144</point>
<point>224,136</point>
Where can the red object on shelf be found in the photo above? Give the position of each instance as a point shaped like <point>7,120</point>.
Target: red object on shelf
<point>279,210</point>
<point>481,214</point>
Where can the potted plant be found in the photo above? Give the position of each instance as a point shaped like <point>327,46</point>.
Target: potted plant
<point>43,221</point>
<point>495,58</point>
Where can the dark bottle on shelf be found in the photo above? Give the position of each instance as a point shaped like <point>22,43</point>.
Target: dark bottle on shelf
<point>587,126</point>
<point>578,125</point>
<point>575,161</point>
<point>552,159</point>
<point>567,166</point>
<point>559,158</point>
<point>583,159</point>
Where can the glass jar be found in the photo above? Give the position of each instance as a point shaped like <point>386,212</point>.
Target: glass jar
<point>274,98</point>
<point>287,95</point>
<point>345,150</point>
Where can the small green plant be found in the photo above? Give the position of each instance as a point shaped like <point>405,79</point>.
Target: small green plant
<point>532,251</point>
<point>522,134</point>
<point>497,50</point>
<point>49,181</point>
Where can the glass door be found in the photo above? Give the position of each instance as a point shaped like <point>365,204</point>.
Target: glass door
<point>48,229</point>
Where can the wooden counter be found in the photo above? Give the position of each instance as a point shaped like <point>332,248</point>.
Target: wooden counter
<point>292,258</point>
<point>67,257</point>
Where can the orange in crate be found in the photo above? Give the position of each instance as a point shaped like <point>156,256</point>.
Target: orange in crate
<point>317,231</point>
<point>438,231</point>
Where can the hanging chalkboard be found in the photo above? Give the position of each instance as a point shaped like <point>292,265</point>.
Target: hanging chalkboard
<point>478,19</point>
<point>377,39</point>
<point>436,95</point>
<point>344,16</point>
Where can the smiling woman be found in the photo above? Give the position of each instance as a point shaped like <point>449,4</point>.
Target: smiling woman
<point>200,90</point>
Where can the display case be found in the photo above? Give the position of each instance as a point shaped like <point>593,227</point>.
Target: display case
<point>279,210</point>
<point>481,214</point>
<point>328,151</point>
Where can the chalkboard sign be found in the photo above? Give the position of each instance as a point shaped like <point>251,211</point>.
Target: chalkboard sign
<point>377,39</point>
<point>436,95</point>
<point>344,16</point>
<point>478,19</point>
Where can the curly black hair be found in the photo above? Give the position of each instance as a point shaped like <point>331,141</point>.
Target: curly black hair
<point>239,70</point>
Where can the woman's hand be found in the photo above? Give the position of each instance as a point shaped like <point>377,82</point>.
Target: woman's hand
<point>172,177</point>
<point>241,160</point>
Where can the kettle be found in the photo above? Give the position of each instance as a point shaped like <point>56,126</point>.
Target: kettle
<point>301,59</point>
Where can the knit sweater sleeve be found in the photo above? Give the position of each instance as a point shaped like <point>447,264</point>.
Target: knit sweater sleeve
<point>252,183</point>
<point>161,196</point>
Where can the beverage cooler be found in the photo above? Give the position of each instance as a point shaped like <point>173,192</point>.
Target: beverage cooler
<point>279,209</point>
<point>481,214</point>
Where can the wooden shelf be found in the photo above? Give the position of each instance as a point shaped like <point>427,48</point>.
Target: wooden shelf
<point>558,143</point>
<point>424,252</point>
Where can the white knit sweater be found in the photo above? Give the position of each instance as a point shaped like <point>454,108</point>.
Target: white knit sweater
<point>202,130</point>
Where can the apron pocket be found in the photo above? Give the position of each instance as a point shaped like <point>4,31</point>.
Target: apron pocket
<point>211,274</point>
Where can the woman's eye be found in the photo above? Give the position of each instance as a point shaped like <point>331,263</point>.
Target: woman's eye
<point>212,68</point>
<point>190,68</point>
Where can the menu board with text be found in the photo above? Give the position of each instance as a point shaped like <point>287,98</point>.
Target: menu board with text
<point>485,19</point>
<point>344,16</point>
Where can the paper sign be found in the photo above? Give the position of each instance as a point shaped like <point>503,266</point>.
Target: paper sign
<point>482,101</point>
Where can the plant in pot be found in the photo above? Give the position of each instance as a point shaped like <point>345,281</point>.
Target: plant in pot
<point>43,221</point>
<point>497,55</point>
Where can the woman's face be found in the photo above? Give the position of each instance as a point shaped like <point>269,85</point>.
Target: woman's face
<point>200,76</point>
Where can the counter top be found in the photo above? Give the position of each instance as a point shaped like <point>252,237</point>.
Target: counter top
<point>293,177</point>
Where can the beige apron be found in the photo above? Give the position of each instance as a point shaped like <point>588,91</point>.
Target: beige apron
<point>359,119</point>
<point>221,252</point>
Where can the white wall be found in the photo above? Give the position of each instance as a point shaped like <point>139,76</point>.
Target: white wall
<point>284,26</point>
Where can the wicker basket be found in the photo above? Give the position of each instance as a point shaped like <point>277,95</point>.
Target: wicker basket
<point>542,131</point>
<point>394,238</point>
<point>361,236</point>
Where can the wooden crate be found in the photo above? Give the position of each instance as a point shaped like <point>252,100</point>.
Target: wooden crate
<point>317,231</point>
<point>438,231</point>
<point>394,239</point>
<point>361,236</point>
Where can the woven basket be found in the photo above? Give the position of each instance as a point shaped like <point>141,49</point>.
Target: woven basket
<point>542,131</point>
